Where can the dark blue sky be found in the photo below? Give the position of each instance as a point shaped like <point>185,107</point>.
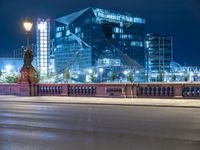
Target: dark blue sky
<point>177,18</point>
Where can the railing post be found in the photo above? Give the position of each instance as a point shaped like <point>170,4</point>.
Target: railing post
<point>33,90</point>
<point>178,91</point>
<point>64,89</point>
<point>134,89</point>
<point>124,88</point>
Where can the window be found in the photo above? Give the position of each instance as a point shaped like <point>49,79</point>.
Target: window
<point>139,20</point>
<point>137,43</point>
<point>118,30</point>
<point>58,34</point>
<point>113,36</point>
<point>67,32</point>
<point>77,30</point>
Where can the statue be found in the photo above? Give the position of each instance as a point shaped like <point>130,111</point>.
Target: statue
<point>28,58</point>
<point>28,72</point>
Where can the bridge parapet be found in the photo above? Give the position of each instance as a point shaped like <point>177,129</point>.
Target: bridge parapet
<point>124,90</point>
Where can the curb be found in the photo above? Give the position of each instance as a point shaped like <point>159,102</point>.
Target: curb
<point>104,104</point>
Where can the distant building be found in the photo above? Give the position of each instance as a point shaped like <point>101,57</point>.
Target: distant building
<point>95,37</point>
<point>43,46</point>
<point>12,65</point>
<point>19,52</point>
<point>158,53</point>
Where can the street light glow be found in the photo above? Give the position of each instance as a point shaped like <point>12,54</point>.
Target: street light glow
<point>181,74</point>
<point>28,25</point>
<point>125,72</point>
<point>90,71</point>
<point>8,68</point>
<point>101,70</point>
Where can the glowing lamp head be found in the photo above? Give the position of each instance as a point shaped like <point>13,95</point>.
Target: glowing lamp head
<point>28,25</point>
<point>101,70</point>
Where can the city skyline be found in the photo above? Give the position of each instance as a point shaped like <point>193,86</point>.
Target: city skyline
<point>179,19</point>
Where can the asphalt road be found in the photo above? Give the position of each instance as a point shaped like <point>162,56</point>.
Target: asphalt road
<point>48,126</point>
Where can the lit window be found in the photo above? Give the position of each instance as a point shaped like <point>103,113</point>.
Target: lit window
<point>137,43</point>
<point>77,30</point>
<point>118,30</point>
<point>113,36</point>
<point>139,20</point>
<point>67,32</point>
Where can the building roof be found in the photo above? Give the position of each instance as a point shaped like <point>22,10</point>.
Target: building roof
<point>122,16</point>
<point>68,19</point>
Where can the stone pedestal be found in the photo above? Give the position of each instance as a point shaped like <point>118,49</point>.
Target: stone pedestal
<point>134,90</point>
<point>28,75</point>
<point>178,91</point>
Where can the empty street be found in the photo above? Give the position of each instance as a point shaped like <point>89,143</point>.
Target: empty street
<point>40,125</point>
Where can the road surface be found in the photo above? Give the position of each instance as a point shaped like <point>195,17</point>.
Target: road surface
<point>49,126</point>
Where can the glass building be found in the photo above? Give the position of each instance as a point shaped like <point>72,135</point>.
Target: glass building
<point>43,46</point>
<point>158,54</point>
<point>95,37</point>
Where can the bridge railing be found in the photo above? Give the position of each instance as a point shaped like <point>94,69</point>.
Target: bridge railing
<point>156,91</point>
<point>48,89</point>
<point>191,91</point>
<point>142,90</point>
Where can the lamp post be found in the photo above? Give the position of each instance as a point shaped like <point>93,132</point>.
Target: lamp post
<point>28,72</point>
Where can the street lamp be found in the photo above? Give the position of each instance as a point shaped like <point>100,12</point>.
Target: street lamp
<point>28,72</point>
<point>27,26</point>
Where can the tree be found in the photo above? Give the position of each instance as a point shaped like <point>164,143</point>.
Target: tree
<point>0,76</point>
<point>161,76</point>
<point>174,77</point>
<point>67,75</point>
<point>113,76</point>
<point>92,77</point>
<point>186,77</point>
<point>146,77</point>
<point>13,78</point>
<point>38,76</point>
<point>130,77</point>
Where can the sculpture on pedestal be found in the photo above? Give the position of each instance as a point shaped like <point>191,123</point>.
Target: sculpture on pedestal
<point>28,72</point>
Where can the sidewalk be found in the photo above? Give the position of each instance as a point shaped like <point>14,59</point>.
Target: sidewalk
<point>186,103</point>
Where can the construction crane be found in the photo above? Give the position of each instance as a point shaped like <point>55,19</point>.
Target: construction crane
<point>73,59</point>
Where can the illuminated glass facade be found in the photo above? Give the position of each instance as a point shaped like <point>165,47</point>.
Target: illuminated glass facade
<point>43,46</point>
<point>158,53</point>
<point>82,38</point>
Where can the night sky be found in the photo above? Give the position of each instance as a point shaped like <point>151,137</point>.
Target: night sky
<point>177,18</point>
